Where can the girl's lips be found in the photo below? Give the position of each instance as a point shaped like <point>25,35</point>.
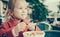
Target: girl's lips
<point>22,14</point>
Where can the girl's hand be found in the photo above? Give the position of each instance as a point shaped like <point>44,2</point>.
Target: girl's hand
<point>31,26</point>
<point>19,27</point>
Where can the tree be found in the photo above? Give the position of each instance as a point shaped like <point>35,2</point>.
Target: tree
<point>39,11</point>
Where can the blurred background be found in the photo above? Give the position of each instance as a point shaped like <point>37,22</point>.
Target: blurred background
<point>45,13</point>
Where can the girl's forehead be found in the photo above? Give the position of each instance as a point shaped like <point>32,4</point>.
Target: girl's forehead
<point>21,4</point>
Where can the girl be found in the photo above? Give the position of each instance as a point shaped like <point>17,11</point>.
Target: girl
<point>18,11</point>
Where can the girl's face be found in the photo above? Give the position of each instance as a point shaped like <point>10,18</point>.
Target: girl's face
<point>20,10</point>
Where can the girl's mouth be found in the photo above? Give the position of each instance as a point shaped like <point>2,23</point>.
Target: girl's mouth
<point>22,14</point>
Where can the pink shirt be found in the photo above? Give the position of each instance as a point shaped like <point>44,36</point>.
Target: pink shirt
<point>6,28</point>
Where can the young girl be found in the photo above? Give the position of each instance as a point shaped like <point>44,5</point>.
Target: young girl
<point>18,12</point>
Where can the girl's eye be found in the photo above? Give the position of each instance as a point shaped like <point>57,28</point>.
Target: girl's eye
<point>26,8</point>
<point>29,7</point>
<point>20,8</point>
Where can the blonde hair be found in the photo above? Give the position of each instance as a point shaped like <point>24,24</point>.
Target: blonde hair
<point>11,4</point>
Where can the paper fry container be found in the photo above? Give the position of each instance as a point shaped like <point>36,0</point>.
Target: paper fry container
<point>34,34</point>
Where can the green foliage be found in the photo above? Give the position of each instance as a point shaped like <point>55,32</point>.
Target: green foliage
<point>39,11</point>
<point>59,6</point>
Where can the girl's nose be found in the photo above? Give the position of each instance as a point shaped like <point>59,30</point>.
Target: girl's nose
<point>24,10</point>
